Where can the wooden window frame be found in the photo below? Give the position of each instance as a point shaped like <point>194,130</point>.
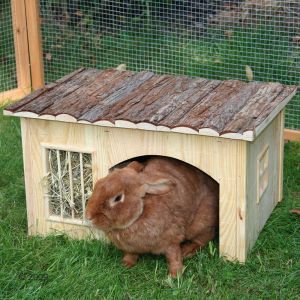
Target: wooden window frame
<point>44,149</point>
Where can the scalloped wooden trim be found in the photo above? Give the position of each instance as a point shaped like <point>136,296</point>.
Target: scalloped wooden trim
<point>163,128</point>
<point>232,135</point>
<point>146,126</point>
<point>125,124</point>
<point>104,123</point>
<point>27,114</point>
<point>246,136</point>
<point>65,118</point>
<point>7,113</point>
<point>186,130</point>
<point>208,132</point>
<point>48,117</point>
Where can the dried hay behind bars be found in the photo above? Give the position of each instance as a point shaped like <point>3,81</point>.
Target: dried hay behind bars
<point>59,191</point>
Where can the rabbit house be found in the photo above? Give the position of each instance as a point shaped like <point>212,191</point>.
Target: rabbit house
<point>77,128</point>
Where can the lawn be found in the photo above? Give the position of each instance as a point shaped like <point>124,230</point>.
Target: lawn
<point>60,268</point>
<point>57,267</point>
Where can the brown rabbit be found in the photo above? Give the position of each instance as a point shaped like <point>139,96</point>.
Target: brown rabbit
<point>162,206</point>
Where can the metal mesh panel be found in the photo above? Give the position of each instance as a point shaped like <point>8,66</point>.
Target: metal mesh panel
<point>218,39</point>
<point>8,79</point>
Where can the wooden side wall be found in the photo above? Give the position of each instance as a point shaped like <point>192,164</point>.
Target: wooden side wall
<point>222,159</point>
<point>258,213</point>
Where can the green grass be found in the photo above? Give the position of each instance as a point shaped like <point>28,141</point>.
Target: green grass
<point>211,55</point>
<point>57,267</point>
<point>60,268</point>
<point>265,49</point>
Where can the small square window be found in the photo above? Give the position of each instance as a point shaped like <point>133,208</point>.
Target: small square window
<point>69,183</point>
<point>263,173</point>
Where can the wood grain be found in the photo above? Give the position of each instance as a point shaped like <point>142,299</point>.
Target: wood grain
<point>258,213</point>
<point>292,135</point>
<point>232,163</point>
<point>232,109</point>
<point>35,43</point>
<point>21,44</point>
<point>12,95</point>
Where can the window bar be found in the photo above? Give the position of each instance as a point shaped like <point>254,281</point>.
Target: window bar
<point>59,184</point>
<point>82,186</point>
<point>51,172</point>
<point>72,205</point>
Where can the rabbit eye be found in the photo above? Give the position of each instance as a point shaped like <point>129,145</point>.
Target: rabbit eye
<point>118,198</point>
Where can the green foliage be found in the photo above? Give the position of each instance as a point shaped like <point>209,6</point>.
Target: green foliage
<point>212,55</point>
<point>57,267</point>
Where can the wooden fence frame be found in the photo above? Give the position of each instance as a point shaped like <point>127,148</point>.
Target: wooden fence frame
<point>28,49</point>
<point>29,54</point>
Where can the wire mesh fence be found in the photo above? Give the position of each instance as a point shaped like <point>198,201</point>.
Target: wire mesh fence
<point>218,39</point>
<point>251,39</point>
<point>8,78</point>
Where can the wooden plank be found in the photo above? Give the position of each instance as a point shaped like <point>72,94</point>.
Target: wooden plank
<point>227,173</point>
<point>82,185</point>
<point>175,118</point>
<point>128,85</point>
<point>56,92</point>
<point>222,113</point>
<point>14,94</point>
<point>258,213</point>
<point>34,95</point>
<point>75,231</point>
<point>281,133</point>
<point>72,204</point>
<point>230,109</point>
<point>60,183</point>
<point>28,177</point>
<point>133,111</point>
<point>264,120</point>
<point>183,93</point>
<point>96,88</point>
<point>241,201</point>
<point>133,99</point>
<point>34,43</point>
<point>35,171</point>
<point>292,135</point>
<point>164,98</point>
<point>21,44</point>
<point>244,120</point>
<point>211,105</point>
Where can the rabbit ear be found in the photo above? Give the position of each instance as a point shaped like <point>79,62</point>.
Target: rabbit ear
<point>138,167</point>
<point>159,187</point>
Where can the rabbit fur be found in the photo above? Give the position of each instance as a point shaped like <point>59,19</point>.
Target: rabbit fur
<point>162,206</point>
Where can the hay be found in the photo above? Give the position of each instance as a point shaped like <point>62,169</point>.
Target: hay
<point>65,192</point>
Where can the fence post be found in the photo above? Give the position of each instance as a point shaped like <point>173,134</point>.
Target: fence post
<point>32,9</point>
<point>21,45</point>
